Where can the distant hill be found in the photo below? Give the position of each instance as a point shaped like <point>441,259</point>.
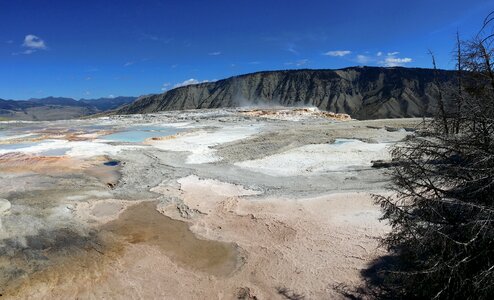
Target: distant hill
<point>55,108</point>
<point>362,92</point>
<point>58,101</point>
<point>104,104</point>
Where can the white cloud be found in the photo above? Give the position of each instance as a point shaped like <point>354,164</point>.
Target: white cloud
<point>339,53</point>
<point>297,63</point>
<point>189,82</point>
<point>129,63</point>
<point>392,61</point>
<point>363,59</point>
<point>216,53</point>
<point>33,42</point>
<point>111,96</point>
<point>388,59</point>
<point>396,61</point>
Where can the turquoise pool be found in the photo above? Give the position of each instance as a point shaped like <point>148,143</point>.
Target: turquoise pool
<point>139,134</point>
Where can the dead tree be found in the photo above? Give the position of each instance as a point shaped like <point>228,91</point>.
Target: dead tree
<point>442,208</point>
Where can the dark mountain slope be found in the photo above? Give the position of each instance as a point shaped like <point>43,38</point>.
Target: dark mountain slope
<point>362,92</point>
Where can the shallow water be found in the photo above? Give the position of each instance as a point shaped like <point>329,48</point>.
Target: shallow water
<point>18,146</point>
<point>343,141</point>
<point>111,163</point>
<point>139,134</point>
<point>55,152</point>
<point>142,223</point>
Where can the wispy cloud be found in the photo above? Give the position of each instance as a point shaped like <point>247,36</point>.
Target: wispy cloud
<point>291,48</point>
<point>91,69</point>
<point>393,53</point>
<point>338,53</point>
<point>165,86</point>
<point>129,63</point>
<point>297,63</point>
<point>28,51</point>
<point>216,53</point>
<point>297,37</point>
<point>364,59</point>
<point>379,53</point>
<point>155,38</point>
<point>9,42</point>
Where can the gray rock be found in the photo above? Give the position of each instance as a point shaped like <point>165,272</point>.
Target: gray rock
<point>4,206</point>
<point>362,92</point>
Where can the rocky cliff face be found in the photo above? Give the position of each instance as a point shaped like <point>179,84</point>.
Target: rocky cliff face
<point>362,92</point>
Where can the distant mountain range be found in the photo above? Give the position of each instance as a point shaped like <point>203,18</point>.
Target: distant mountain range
<point>362,92</point>
<point>55,108</point>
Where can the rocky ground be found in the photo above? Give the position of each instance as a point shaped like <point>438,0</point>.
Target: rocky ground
<point>228,205</point>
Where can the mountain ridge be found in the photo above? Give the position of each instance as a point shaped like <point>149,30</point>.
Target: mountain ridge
<point>362,92</point>
<point>55,108</point>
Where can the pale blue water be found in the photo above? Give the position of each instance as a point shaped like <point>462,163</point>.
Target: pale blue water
<point>140,133</point>
<point>342,141</point>
<point>55,152</point>
<point>97,127</point>
<point>17,135</point>
<point>17,146</point>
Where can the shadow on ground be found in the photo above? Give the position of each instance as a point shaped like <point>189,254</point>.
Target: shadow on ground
<point>378,284</point>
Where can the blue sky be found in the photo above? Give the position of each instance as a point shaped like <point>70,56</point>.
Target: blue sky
<point>89,49</point>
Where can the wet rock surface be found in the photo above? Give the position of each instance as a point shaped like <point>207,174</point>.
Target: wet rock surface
<point>159,224</point>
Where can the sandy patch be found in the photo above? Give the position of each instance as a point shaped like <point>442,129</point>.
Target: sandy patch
<point>58,165</point>
<point>99,211</point>
<point>294,114</point>
<point>304,245</point>
<point>19,163</point>
<point>201,194</point>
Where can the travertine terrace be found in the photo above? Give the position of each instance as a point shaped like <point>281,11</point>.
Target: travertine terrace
<point>210,204</point>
